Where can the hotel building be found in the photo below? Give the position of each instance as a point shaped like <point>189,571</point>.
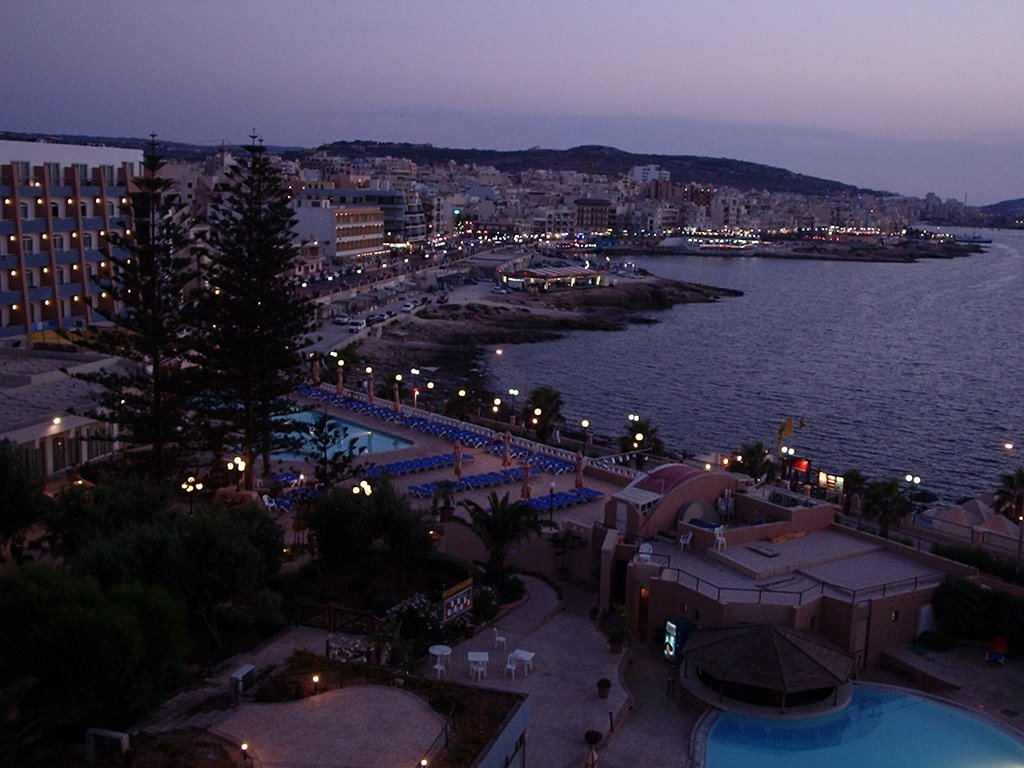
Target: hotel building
<point>57,204</point>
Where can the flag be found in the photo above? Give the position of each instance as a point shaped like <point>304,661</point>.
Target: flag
<point>785,430</point>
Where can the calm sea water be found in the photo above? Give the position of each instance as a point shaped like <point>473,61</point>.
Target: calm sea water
<point>895,368</point>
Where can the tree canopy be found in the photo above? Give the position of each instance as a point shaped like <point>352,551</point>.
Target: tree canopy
<point>250,321</point>
<point>152,268</point>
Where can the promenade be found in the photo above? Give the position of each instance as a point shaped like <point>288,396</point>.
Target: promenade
<point>375,725</point>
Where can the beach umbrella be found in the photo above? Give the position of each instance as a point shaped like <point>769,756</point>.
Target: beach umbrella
<point>579,469</point>
<point>339,390</point>
<point>316,372</point>
<point>590,761</point>
<point>398,397</point>
<point>506,451</point>
<point>458,458</point>
<point>524,492</point>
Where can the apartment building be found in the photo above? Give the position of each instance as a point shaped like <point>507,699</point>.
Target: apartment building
<point>59,203</point>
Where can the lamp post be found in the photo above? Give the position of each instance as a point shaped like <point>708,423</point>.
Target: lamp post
<point>913,481</point>
<point>237,464</point>
<point>246,758</point>
<point>190,486</point>
<point>1020,542</point>
<point>316,684</point>
<point>588,439</point>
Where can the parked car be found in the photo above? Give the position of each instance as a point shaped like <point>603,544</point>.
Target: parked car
<point>499,289</point>
<point>374,319</point>
<point>341,319</point>
<point>355,326</point>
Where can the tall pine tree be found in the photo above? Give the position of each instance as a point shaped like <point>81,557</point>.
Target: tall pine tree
<point>145,396</point>
<point>250,321</point>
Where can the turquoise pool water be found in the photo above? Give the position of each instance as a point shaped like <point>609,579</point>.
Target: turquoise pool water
<point>878,729</point>
<point>371,440</point>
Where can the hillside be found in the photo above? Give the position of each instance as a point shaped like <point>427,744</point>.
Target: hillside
<point>608,160</point>
<point>587,159</point>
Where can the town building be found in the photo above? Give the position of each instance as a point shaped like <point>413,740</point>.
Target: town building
<point>59,204</point>
<point>711,547</point>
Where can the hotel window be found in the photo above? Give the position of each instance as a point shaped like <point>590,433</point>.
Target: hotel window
<point>52,172</point>
<point>87,239</point>
<point>54,210</point>
<point>27,246</point>
<point>110,208</point>
<point>83,208</point>
<point>23,171</point>
<point>23,210</point>
<point>58,242</point>
<point>83,172</point>
<point>108,173</point>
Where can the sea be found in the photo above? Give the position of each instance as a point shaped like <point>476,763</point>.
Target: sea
<point>893,369</point>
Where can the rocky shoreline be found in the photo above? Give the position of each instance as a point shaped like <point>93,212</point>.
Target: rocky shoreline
<point>902,253</point>
<point>448,341</point>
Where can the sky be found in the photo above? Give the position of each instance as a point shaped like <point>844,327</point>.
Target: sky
<point>907,96</point>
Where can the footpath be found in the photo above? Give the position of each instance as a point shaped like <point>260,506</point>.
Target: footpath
<point>640,721</point>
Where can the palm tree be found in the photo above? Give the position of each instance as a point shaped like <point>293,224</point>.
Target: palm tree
<point>884,502</point>
<point>1010,502</point>
<point>548,401</point>
<point>754,462</point>
<point>1010,495</point>
<point>650,439</point>
<point>501,525</point>
<point>855,483</point>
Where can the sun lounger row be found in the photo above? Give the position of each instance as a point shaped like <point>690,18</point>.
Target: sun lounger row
<point>540,460</point>
<point>563,499</point>
<point>422,464</point>
<point>471,483</point>
<point>388,413</point>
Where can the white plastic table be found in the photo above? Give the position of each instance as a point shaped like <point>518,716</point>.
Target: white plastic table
<point>442,653</point>
<point>524,659</point>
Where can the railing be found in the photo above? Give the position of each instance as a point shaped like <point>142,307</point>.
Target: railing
<point>766,595</point>
<point>440,741</point>
<point>334,618</point>
<point>753,594</point>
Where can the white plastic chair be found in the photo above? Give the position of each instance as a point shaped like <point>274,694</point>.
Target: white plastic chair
<point>720,537</point>
<point>499,639</point>
<point>441,668</point>
<point>269,502</point>
<point>477,670</point>
<point>684,541</point>
<point>510,666</point>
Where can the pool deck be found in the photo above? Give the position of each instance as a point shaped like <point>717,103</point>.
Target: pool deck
<point>642,721</point>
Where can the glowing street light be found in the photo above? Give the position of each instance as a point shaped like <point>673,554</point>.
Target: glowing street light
<point>190,486</point>
<point>237,464</point>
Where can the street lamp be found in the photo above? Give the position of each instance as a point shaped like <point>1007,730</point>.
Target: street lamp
<point>316,684</point>
<point>237,464</point>
<point>190,486</point>
<point>246,758</point>
<point>587,437</point>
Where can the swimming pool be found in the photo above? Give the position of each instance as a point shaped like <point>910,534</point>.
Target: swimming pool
<point>878,728</point>
<point>371,440</point>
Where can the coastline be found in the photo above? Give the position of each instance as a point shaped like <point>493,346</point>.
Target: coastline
<point>906,252</point>
<point>450,340</point>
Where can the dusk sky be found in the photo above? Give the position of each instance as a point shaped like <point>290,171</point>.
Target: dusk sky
<point>910,97</point>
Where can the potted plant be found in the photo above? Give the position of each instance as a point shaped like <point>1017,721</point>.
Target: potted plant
<point>604,685</point>
<point>617,635</point>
